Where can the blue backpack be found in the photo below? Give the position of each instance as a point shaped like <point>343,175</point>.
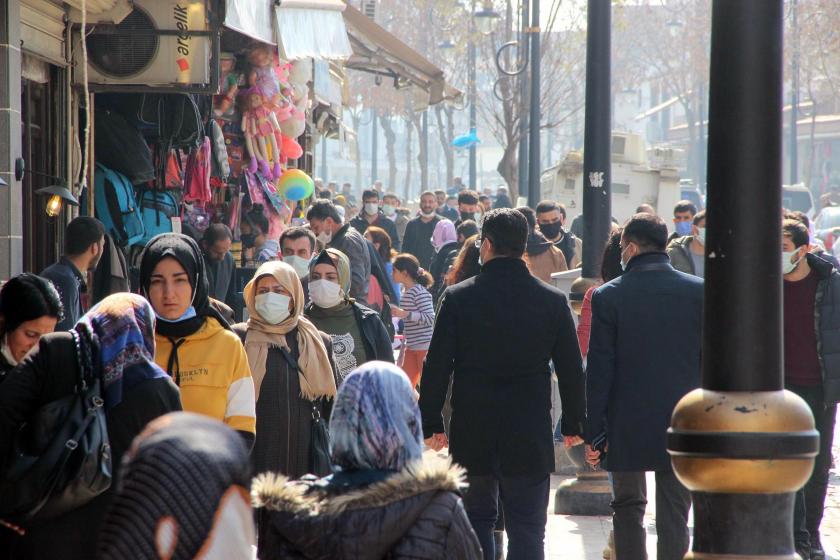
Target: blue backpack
<point>157,208</point>
<point>116,206</point>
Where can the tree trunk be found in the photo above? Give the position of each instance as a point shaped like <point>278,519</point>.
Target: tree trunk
<point>390,142</point>
<point>422,156</point>
<point>446,133</point>
<point>507,168</point>
<point>409,136</point>
<point>357,119</point>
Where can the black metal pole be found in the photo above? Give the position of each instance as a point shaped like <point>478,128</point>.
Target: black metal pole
<point>473,100</point>
<point>597,138</point>
<point>374,144</point>
<point>522,159</point>
<point>793,145</point>
<point>534,129</point>
<point>742,444</point>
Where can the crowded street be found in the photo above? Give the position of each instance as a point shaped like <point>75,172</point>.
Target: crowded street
<point>419,279</point>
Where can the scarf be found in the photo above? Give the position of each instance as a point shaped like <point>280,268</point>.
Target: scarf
<point>444,233</point>
<point>341,263</point>
<point>315,371</point>
<point>123,327</point>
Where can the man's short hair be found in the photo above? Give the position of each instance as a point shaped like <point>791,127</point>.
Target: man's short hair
<point>370,193</point>
<point>647,231</point>
<point>429,193</point>
<point>797,232</point>
<point>451,197</point>
<point>546,206</point>
<point>346,185</point>
<point>81,233</point>
<point>530,215</point>
<point>484,198</point>
<point>699,217</point>
<point>468,197</point>
<point>323,209</point>
<point>507,229</point>
<point>467,229</point>
<point>439,191</point>
<point>390,195</point>
<point>325,194</point>
<point>298,232</point>
<point>215,233</point>
<point>800,216</point>
<point>685,206</point>
<point>645,208</point>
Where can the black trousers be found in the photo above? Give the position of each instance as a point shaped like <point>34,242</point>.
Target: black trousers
<point>673,500</point>
<point>810,500</point>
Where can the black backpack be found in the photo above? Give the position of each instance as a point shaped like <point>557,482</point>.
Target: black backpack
<point>61,456</point>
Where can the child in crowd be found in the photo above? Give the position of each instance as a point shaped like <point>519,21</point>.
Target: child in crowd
<point>417,312</point>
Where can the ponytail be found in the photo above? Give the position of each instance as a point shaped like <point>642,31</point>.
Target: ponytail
<point>410,265</point>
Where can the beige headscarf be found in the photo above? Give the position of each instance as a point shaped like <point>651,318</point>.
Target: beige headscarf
<point>316,376</point>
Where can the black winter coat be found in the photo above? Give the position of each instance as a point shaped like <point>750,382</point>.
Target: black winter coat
<point>827,311</point>
<point>644,356</point>
<point>50,374</point>
<point>440,266</point>
<point>418,240</point>
<point>494,336</point>
<point>415,514</point>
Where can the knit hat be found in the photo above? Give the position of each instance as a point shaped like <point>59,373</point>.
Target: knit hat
<point>375,421</point>
<point>183,491</point>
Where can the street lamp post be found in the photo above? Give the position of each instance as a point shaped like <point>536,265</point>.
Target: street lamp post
<point>742,444</point>
<point>374,145</point>
<point>523,103</point>
<point>534,118</point>
<point>472,94</point>
<point>793,142</point>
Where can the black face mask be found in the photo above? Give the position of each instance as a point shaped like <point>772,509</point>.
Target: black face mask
<point>551,230</point>
<point>248,239</point>
<point>467,216</point>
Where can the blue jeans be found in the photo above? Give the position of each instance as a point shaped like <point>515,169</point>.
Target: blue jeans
<point>525,502</point>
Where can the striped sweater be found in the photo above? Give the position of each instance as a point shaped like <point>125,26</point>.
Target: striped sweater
<point>421,317</point>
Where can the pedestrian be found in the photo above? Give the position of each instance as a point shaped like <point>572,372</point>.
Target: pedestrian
<point>292,368</point>
<point>457,186</point>
<point>418,232</point>
<point>357,333</point>
<point>684,212</point>
<point>297,245</point>
<point>610,269</point>
<point>385,499</point>
<point>372,215</point>
<point>811,300</point>
<point>254,234</point>
<point>219,263</point>
<point>551,218</point>
<point>347,193</point>
<point>542,256</point>
<point>645,208</point>
<point>84,239</point>
<point>394,212</point>
<point>502,198</point>
<point>417,311</point>
<point>466,229</point>
<point>644,356</point>
<point>333,233</point>
<point>445,243</point>
<point>382,243</point>
<point>30,308</point>
<point>185,495</point>
<point>450,208</point>
<point>466,264</point>
<point>486,202</point>
<point>494,337</point>
<point>119,335</point>
<point>688,253</point>
<point>468,207</point>
<point>195,345</point>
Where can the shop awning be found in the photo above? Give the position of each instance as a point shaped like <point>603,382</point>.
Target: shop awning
<point>312,29</point>
<point>252,18</point>
<point>377,51</point>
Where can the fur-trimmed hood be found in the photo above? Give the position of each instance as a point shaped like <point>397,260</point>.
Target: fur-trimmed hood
<point>301,519</point>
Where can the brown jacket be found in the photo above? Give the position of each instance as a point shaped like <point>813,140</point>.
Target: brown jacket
<point>546,263</point>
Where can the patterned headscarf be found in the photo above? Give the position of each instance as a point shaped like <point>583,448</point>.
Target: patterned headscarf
<point>444,233</point>
<point>341,263</point>
<point>123,325</point>
<point>375,422</point>
<point>183,494</point>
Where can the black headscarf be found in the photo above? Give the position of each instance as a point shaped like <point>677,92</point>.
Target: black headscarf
<point>185,250</point>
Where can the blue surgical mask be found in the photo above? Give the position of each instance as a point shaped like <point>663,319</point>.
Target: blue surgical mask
<point>683,228</point>
<point>188,314</point>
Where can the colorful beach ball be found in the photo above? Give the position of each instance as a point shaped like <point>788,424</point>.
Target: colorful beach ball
<point>295,185</point>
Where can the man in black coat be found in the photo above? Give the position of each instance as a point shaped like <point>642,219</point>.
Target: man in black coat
<point>418,232</point>
<point>644,356</point>
<point>494,336</point>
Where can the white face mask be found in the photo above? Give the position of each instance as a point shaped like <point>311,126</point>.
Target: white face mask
<point>389,210</point>
<point>274,308</point>
<point>325,237</point>
<point>787,265</point>
<point>431,214</point>
<point>300,265</point>
<point>371,208</point>
<point>325,294</point>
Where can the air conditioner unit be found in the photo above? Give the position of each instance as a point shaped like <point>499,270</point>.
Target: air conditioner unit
<point>162,45</point>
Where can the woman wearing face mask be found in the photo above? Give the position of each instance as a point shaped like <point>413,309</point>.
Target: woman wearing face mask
<point>357,333</point>
<point>278,338</point>
<point>445,243</point>
<point>194,342</point>
<point>30,307</point>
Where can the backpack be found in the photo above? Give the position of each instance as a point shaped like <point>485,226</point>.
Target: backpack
<point>120,146</point>
<point>157,208</point>
<point>116,206</point>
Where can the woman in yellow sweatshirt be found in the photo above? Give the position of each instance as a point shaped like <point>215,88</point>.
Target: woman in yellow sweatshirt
<point>194,342</point>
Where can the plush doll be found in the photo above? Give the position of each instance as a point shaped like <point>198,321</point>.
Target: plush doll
<point>260,127</point>
<point>223,106</point>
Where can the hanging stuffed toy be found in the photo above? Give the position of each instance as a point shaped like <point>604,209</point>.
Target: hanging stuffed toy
<point>260,125</point>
